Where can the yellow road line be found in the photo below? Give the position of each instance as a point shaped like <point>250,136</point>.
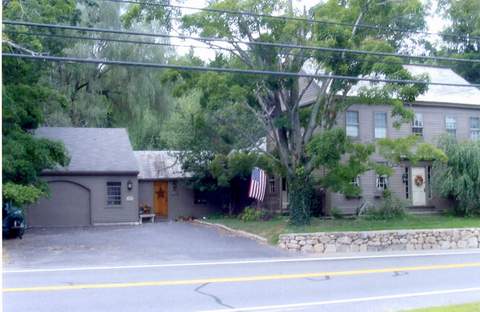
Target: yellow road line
<point>256,278</point>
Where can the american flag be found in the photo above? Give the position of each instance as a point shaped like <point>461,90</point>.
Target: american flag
<point>258,183</point>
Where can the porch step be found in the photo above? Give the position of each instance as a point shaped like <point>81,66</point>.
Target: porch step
<point>424,210</point>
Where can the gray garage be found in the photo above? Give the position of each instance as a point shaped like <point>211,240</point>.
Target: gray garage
<point>66,212</point>
<point>99,186</point>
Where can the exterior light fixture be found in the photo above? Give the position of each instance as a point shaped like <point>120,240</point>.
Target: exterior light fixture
<point>129,185</point>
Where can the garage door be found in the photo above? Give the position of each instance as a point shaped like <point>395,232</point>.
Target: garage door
<point>68,205</point>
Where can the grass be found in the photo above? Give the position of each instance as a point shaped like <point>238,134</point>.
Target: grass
<point>279,225</point>
<point>470,307</point>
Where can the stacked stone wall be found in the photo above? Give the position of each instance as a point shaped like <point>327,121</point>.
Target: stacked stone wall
<point>409,240</point>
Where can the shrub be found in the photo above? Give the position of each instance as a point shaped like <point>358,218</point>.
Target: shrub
<point>251,214</point>
<point>391,207</point>
<point>336,213</point>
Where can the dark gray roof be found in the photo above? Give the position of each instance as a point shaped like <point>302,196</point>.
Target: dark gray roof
<point>160,165</point>
<point>93,150</point>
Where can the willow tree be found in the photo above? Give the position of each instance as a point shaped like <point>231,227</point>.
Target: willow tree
<point>459,177</point>
<point>274,101</point>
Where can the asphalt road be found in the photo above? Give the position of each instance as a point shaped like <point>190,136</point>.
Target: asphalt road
<point>386,283</point>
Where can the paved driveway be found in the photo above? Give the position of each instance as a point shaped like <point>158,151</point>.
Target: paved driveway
<point>129,245</point>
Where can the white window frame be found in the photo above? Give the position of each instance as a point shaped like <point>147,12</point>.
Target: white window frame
<point>474,131</point>
<point>451,125</point>
<point>381,182</point>
<point>376,134</point>
<point>355,181</point>
<point>350,125</point>
<point>114,199</point>
<point>417,124</point>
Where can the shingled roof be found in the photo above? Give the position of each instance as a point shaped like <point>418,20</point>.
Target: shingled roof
<point>155,165</point>
<point>93,150</point>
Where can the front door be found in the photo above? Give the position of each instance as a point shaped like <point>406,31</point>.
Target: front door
<point>160,198</point>
<point>419,196</point>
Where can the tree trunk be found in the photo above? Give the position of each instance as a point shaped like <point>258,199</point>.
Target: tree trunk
<point>300,198</point>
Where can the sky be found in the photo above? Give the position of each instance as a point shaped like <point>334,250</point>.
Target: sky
<point>435,24</point>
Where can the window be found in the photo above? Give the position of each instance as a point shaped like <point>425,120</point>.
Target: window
<point>352,124</point>
<point>474,128</point>
<point>271,183</point>
<point>382,182</point>
<point>380,125</point>
<point>356,181</point>
<point>417,125</point>
<point>451,125</point>
<point>114,193</point>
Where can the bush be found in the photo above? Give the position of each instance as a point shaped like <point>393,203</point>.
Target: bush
<point>391,207</point>
<point>336,213</point>
<point>251,214</point>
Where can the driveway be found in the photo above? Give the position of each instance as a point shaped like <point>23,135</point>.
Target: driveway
<point>129,245</point>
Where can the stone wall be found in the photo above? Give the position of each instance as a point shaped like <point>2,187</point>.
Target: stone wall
<point>334,242</point>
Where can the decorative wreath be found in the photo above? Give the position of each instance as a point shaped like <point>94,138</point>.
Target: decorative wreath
<point>418,180</point>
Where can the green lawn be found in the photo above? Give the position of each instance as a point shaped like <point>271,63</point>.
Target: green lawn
<point>470,307</point>
<point>271,229</point>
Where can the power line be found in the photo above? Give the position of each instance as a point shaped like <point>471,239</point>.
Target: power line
<point>167,44</point>
<point>292,18</point>
<point>230,41</point>
<point>231,70</point>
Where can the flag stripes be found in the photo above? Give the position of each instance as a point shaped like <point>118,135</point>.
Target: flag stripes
<point>258,184</point>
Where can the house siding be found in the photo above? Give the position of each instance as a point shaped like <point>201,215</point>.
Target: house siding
<point>99,211</point>
<point>180,200</point>
<point>434,128</point>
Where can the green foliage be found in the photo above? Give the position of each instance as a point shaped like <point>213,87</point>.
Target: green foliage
<point>336,213</point>
<point>251,214</point>
<point>341,159</point>
<point>391,207</point>
<point>24,156</point>
<point>409,148</point>
<point>464,22</point>
<point>459,177</point>
<point>21,194</point>
<point>301,197</point>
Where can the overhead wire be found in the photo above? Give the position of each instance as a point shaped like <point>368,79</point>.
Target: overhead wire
<point>169,44</point>
<point>231,41</point>
<point>293,18</point>
<point>231,70</point>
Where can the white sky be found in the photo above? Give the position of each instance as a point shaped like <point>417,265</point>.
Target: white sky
<point>435,24</point>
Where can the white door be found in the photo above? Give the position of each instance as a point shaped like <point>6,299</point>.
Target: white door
<point>418,182</point>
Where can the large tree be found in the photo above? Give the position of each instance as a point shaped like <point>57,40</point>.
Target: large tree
<point>275,101</point>
<point>112,96</point>
<point>462,35</point>
<point>25,156</point>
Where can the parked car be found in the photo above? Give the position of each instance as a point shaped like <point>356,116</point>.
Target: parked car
<point>13,221</point>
